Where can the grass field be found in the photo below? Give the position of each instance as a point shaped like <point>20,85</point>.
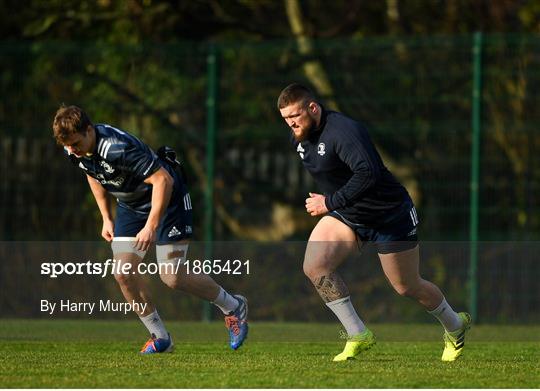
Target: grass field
<point>103,354</point>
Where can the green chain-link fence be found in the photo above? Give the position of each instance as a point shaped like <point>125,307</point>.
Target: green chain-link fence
<point>416,94</point>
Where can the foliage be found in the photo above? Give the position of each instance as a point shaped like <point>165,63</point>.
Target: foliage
<point>404,67</point>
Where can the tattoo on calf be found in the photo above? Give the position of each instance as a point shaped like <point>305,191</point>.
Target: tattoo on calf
<point>331,287</point>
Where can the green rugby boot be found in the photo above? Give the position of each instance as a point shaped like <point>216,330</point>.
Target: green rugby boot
<point>356,344</point>
<point>454,341</point>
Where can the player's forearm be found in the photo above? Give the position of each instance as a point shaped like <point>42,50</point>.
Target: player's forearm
<point>104,206</point>
<point>102,199</point>
<point>161,195</point>
<point>357,185</point>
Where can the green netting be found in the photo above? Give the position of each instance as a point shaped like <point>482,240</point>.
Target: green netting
<point>414,93</point>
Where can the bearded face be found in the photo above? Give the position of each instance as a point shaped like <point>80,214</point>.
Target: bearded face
<point>301,118</point>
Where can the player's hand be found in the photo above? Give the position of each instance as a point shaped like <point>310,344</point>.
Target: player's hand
<point>108,230</point>
<point>145,238</point>
<point>315,204</point>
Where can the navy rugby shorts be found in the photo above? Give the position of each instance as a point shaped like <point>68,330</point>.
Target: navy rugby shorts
<point>396,235</point>
<point>176,223</point>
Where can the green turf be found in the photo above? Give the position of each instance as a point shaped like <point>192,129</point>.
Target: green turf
<point>103,354</point>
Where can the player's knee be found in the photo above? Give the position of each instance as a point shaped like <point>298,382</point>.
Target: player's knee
<point>307,269</point>
<point>173,281</point>
<point>407,290</point>
<point>322,258</point>
<point>314,271</point>
<point>124,279</point>
<point>310,270</point>
<point>170,258</point>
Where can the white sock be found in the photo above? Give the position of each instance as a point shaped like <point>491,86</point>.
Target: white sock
<point>346,314</point>
<point>155,325</point>
<point>225,301</point>
<point>447,316</point>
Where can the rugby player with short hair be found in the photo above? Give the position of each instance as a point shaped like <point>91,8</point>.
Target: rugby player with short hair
<point>153,205</point>
<point>361,202</point>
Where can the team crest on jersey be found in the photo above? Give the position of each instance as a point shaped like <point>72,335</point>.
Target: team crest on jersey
<point>106,166</point>
<point>321,149</point>
<point>300,150</point>
<point>115,182</point>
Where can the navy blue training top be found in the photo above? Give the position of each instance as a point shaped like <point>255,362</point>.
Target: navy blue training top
<point>349,171</point>
<point>121,163</point>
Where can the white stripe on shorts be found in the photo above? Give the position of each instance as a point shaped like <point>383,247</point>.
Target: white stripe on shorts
<point>414,216</point>
<point>187,202</point>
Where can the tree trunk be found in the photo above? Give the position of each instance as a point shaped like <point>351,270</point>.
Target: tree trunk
<point>317,76</point>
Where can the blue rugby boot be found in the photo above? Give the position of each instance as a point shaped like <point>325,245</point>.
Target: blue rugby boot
<point>237,324</point>
<point>158,345</point>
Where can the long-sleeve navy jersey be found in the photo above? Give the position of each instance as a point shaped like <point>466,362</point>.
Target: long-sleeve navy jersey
<point>344,163</point>
<point>121,163</point>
